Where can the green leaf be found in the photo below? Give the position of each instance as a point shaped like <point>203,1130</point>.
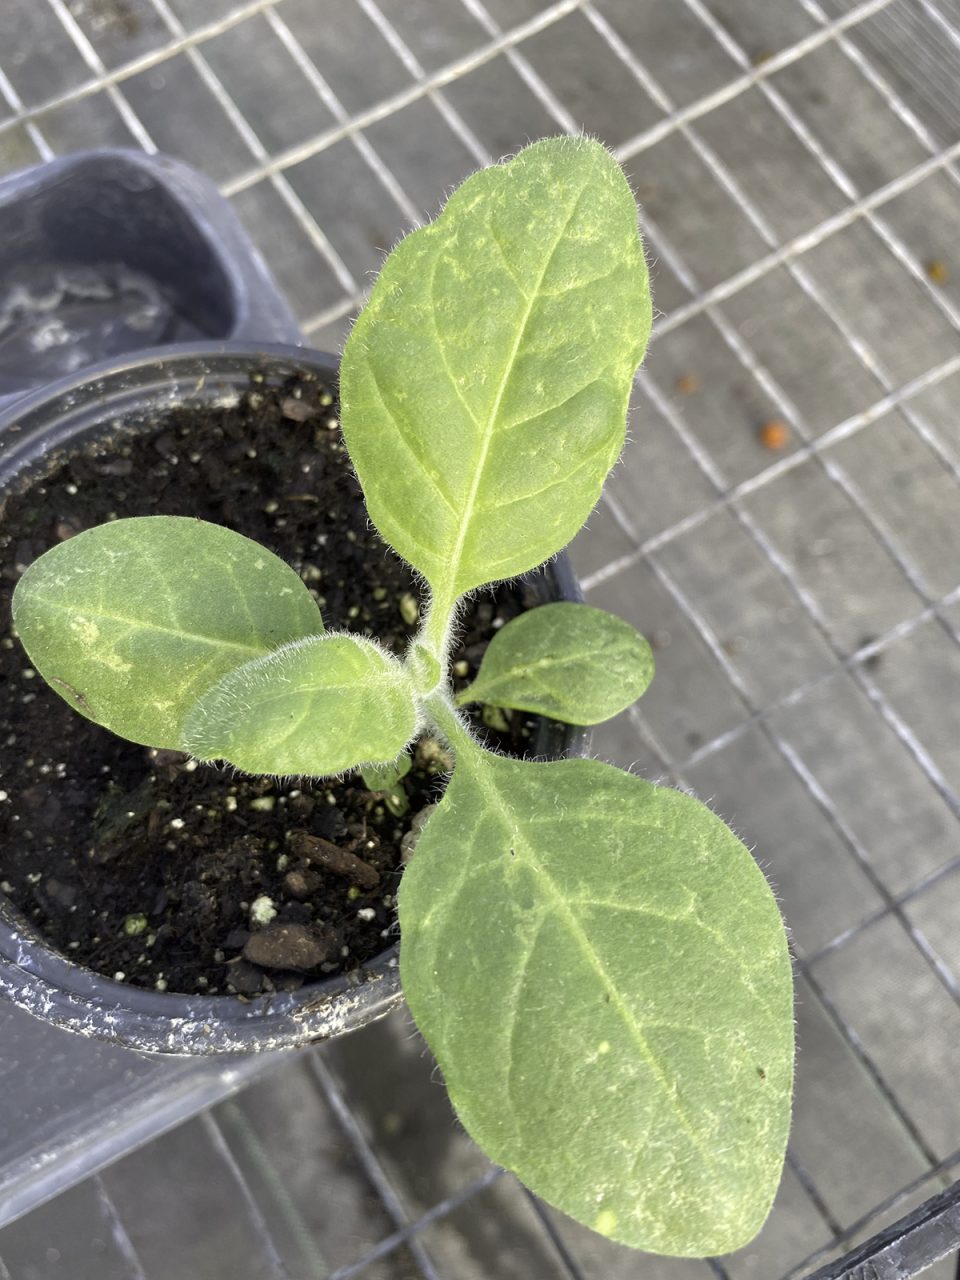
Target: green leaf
<point>484,387</point>
<point>601,970</point>
<point>385,777</point>
<point>568,661</point>
<point>131,621</point>
<point>316,707</point>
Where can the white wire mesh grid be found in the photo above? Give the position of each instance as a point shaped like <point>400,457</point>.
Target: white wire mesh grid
<point>926,36</point>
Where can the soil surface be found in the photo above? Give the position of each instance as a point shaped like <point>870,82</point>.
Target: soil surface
<point>145,866</point>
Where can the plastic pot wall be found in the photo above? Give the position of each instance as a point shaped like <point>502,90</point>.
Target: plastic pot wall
<point>134,393</point>
<point>107,252</point>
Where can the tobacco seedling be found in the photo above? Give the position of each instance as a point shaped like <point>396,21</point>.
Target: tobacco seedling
<point>597,963</point>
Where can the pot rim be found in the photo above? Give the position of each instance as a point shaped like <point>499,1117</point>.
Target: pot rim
<point>90,387</point>
<point>33,975</point>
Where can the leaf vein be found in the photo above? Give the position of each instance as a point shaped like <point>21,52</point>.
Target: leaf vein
<point>433,310</point>
<point>487,433</point>
<point>584,944</point>
<point>515,1020</point>
<point>501,506</point>
<point>137,624</point>
<point>506,261</point>
<point>555,408</point>
<point>402,437</point>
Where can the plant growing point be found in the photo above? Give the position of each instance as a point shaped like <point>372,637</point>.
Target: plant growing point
<point>597,963</point>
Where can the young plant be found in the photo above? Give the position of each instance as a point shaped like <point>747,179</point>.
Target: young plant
<point>597,963</point>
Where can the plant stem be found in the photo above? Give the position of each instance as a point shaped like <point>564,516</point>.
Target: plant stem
<point>434,638</point>
<point>437,629</point>
<point>439,706</point>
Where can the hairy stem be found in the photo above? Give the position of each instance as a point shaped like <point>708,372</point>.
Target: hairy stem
<point>439,707</point>
<point>436,633</point>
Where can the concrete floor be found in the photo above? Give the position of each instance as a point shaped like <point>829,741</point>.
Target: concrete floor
<point>802,222</point>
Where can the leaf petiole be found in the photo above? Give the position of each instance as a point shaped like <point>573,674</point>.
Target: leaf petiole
<point>436,633</point>
<point>450,724</point>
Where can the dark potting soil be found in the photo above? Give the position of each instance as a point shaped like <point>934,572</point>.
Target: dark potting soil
<point>145,866</point>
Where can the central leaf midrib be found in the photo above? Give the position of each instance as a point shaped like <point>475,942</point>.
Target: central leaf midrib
<point>560,905</point>
<point>537,665</point>
<point>589,952</point>
<point>137,624</point>
<point>388,679</point>
<point>488,429</point>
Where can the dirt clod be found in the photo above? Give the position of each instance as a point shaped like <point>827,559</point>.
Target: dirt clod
<point>323,853</point>
<point>298,410</point>
<point>301,947</point>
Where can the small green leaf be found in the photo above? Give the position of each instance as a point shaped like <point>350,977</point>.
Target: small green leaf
<point>484,386</point>
<point>131,621</point>
<point>601,970</point>
<point>316,707</point>
<point>385,777</point>
<point>569,661</point>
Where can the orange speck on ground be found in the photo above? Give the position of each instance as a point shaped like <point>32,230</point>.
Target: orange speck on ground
<point>774,435</point>
<point>937,272</point>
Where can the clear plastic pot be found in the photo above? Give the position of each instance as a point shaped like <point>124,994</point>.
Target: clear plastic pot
<point>134,392</point>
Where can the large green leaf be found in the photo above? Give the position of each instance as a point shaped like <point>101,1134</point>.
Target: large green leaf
<point>316,707</point>
<point>601,970</point>
<point>569,661</point>
<point>484,387</point>
<point>131,621</point>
